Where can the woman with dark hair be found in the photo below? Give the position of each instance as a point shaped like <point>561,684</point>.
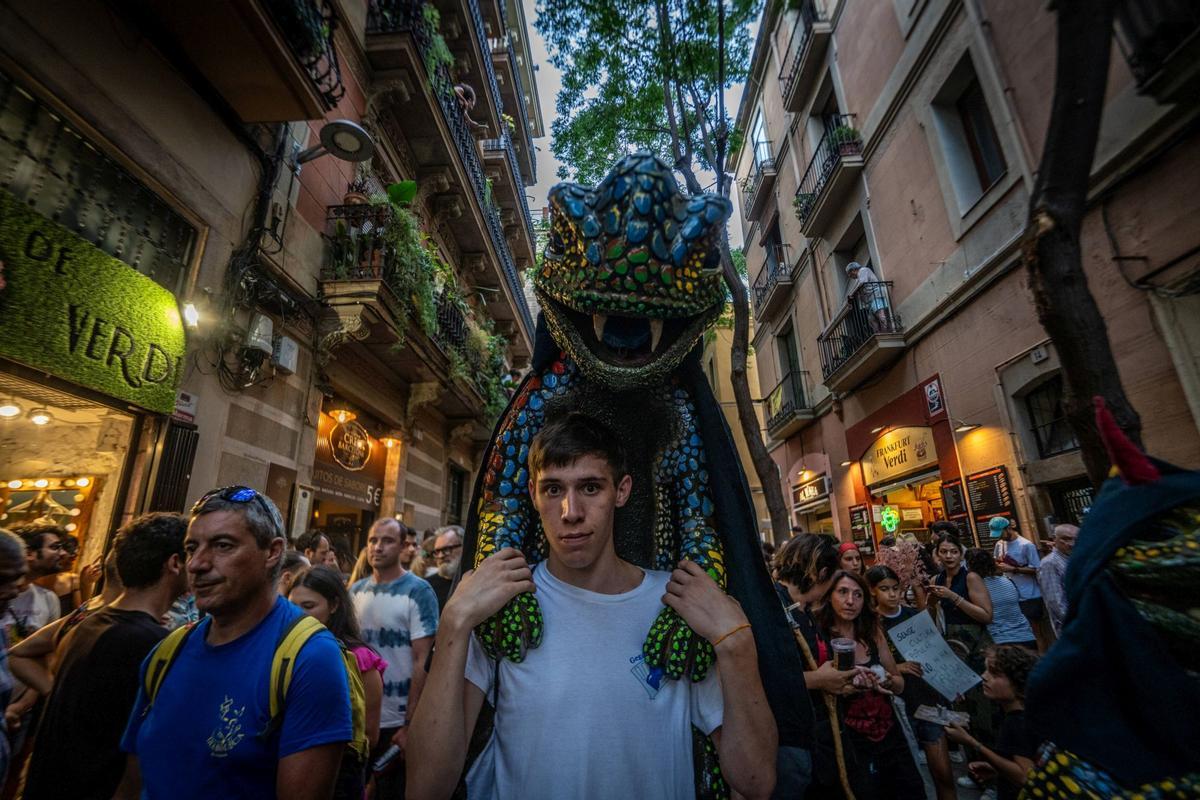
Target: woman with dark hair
<point>962,600</point>
<point>1008,625</point>
<point>885,590</point>
<point>868,715</point>
<point>804,566</point>
<point>320,593</point>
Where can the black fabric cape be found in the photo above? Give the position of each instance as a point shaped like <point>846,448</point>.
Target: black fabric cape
<point>1109,690</point>
<point>779,660</point>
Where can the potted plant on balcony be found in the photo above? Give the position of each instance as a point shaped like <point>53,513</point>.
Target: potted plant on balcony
<point>846,139</point>
<point>802,203</point>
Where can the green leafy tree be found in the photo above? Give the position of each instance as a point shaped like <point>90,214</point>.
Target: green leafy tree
<point>649,75</point>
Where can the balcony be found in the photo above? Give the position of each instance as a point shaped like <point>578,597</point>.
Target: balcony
<point>514,99</point>
<point>865,336</point>
<point>774,282</point>
<point>406,49</point>
<point>371,294</point>
<point>805,54</point>
<point>271,60</point>
<point>830,176</point>
<point>788,409</point>
<point>757,186</point>
<point>497,152</point>
<point>1161,43</point>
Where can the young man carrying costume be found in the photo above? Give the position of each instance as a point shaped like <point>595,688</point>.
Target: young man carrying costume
<point>582,715</point>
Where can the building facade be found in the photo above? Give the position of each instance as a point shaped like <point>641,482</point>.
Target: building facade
<point>904,136</point>
<point>203,284</point>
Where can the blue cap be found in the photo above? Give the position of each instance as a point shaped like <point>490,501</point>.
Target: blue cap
<point>997,525</point>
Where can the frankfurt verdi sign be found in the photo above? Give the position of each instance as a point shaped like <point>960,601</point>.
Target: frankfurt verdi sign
<point>898,452</point>
<point>70,309</point>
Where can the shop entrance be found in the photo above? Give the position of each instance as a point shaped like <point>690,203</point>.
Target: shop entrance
<point>909,506</point>
<point>62,460</point>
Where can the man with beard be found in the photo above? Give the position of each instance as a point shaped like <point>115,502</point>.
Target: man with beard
<point>397,614</point>
<point>448,552</point>
<point>12,571</point>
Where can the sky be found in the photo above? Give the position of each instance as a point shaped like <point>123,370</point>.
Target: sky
<point>549,82</point>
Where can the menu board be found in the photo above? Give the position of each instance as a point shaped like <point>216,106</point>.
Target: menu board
<point>860,521</point>
<point>954,499</point>
<point>990,493</point>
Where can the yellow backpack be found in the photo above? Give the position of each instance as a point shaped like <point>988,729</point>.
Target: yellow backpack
<point>294,637</point>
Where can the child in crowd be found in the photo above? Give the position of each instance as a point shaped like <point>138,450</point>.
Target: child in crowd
<point>885,589</point>
<point>321,593</point>
<point>1012,756</point>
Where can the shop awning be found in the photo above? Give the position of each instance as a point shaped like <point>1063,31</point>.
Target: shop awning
<point>899,483</point>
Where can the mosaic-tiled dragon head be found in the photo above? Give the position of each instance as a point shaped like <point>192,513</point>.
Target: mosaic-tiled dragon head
<point>632,273</point>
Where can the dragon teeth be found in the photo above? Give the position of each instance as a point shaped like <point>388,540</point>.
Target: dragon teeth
<point>598,323</point>
<point>656,329</point>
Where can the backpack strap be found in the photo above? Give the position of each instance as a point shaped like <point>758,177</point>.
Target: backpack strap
<point>161,659</point>
<point>294,637</point>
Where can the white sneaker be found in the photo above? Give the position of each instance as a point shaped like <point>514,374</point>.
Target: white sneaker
<point>957,756</point>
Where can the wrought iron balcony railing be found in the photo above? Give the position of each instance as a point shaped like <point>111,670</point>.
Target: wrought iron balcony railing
<point>809,16</point>
<point>841,140</point>
<point>395,16</point>
<point>307,27</point>
<point>787,398</point>
<point>522,114</point>
<point>359,247</point>
<point>777,268</point>
<point>485,49</point>
<point>867,313</point>
<point>764,165</point>
<point>451,323</point>
<point>505,145</point>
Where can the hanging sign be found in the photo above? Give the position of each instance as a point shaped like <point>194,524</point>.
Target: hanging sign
<point>70,309</point>
<point>350,465</point>
<point>899,452</point>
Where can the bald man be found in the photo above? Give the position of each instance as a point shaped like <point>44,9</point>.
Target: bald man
<point>1052,573</point>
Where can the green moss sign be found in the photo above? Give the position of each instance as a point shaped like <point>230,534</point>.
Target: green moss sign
<point>70,309</point>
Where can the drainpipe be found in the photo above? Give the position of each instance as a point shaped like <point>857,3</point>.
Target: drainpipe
<point>983,35</point>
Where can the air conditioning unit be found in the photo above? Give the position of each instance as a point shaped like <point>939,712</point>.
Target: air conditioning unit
<point>260,334</point>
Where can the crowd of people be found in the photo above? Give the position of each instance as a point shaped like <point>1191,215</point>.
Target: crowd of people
<point>870,740</point>
<point>209,656</point>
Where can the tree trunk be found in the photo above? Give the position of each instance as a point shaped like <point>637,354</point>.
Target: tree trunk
<point>1052,251</point>
<point>764,466</point>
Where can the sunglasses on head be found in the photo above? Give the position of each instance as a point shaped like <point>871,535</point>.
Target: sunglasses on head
<point>234,494</point>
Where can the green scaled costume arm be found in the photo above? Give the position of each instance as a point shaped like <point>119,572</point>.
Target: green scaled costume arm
<point>506,514</point>
<point>671,645</point>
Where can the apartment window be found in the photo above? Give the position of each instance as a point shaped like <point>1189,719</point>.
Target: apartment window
<point>1048,419</point>
<point>974,158</point>
<point>456,488</point>
<point>981,137</point>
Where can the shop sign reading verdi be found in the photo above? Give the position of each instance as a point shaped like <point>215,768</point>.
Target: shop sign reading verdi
<point>72,310</point>
<point>898,452</point>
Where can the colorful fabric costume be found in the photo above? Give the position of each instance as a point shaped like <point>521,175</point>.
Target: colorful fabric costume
<point>1118,696</point>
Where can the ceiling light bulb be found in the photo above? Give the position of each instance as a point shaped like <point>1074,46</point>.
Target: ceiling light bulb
<point>83,482</point>
<point>9,409</point>
<point>343,415</point>
<point>41,483</point>
<point>877,430</point>
<point>15,484</point>
<point>191,316</point>
<point>39,416</point>
<point>70,526</point>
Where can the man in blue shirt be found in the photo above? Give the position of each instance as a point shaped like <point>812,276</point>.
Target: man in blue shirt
<point>207,732</point>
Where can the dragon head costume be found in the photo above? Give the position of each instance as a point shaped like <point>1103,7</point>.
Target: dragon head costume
<point>630,280</point>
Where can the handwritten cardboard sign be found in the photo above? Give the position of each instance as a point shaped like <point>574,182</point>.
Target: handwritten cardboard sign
<point>919,640</point>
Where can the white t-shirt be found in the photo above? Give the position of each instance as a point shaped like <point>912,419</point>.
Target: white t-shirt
<point>391,616</point>
<point>582,716</point>
<point>1024,554</point>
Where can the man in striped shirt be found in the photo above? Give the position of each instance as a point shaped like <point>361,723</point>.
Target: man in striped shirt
<point>397,613</point>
